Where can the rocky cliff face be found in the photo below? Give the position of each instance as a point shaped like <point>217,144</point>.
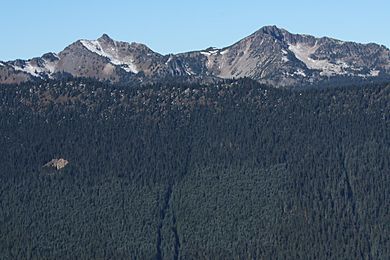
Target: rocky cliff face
<point>271,55</point>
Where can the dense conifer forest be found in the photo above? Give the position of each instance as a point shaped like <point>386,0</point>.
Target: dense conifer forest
<point>230,170</point>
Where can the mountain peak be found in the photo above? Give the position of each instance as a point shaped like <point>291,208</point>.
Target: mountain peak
<point>105,38</point>
<point>50,56</point>
<point>273,31</point>
<point>271,55</point>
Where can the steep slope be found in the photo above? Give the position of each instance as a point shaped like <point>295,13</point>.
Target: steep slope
<point>234,170</point>
<point>270,55</point>
<point>275,56</point>
<point>25,70</point>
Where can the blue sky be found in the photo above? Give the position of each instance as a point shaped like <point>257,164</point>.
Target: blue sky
<point>30,28</point>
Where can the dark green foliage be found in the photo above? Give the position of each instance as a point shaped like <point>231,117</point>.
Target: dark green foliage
<point>233,170</point>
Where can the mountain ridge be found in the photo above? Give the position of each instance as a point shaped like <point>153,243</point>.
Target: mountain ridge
<point>271,55</point>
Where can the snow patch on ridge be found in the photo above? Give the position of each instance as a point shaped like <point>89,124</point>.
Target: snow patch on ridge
<point>169,59</point>
<point>37,71</point>
<point>224,52</point>
<point>296,73</point>
<point>285,56</point>
<point>127,63</point>
<point>205,53</point>
<point>28,68</point>
<point>374,73</point>
<point>300,72</point>
<point>212,52</point>
<point>50,66</point>
<point>189,72</point>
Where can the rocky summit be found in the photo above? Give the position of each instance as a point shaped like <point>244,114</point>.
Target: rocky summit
<point>271,55</point>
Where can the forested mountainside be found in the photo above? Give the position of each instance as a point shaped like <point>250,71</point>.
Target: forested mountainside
<point>231,170</point>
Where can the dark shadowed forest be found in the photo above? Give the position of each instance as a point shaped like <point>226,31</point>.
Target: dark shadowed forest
<point>230,170</point>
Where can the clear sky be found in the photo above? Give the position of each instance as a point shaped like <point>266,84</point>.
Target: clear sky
<point>32,27</point>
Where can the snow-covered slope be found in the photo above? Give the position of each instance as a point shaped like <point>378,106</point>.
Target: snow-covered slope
<point>125,61</point>
<point>42,67</point>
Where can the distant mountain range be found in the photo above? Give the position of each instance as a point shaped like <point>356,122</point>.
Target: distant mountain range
<point>270,55</point>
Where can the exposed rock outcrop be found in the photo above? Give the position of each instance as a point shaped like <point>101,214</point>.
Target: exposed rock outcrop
<point>270,55</point>
<point>56,164</point>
